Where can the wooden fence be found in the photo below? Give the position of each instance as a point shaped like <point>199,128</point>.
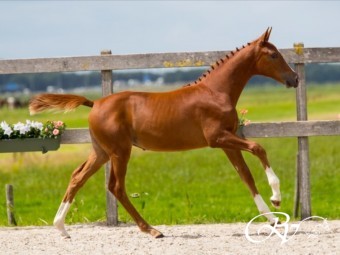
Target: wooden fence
<point>302,128</point>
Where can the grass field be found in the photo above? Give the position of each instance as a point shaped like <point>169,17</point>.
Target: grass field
<point>197,186</point>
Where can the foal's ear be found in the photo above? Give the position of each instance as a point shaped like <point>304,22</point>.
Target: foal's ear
<point>265,37</point>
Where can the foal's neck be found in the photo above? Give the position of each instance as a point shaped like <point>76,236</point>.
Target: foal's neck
<point>232,73</point>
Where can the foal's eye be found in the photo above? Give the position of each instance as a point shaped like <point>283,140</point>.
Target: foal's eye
<point>274,55</point>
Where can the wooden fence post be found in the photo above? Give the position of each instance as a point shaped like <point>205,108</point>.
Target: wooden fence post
<point>302,194</point>
<point>111,202</point>
<point>10,205</point>
<point>297,188</point>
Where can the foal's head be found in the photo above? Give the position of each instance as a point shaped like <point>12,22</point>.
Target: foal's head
<point>270,62</point>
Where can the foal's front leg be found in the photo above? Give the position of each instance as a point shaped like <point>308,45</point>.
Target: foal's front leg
<point>229,141</point>
<point>236,158</point>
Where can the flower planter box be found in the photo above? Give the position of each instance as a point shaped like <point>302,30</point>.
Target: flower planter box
<point>29,144</point>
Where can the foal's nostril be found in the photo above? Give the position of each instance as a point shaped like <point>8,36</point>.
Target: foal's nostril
<point>297,81</point>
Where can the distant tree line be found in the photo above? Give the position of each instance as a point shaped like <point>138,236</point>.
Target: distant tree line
<point>315,73</point>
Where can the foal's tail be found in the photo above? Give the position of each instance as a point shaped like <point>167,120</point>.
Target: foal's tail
<point>59,102</point>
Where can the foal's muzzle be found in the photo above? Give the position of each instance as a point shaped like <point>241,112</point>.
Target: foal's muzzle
<point>292,81</point>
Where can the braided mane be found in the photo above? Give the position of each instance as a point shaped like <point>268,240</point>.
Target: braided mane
<point>217,64</point>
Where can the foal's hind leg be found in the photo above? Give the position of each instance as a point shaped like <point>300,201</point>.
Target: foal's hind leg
<point>78,179</point>
<point>242,169</point>
<point>117,187</point>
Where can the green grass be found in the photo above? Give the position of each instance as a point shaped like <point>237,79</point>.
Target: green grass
<point>198,186</point>
<point>276,103</point>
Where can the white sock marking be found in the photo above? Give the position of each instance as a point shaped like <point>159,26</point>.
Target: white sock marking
<point>274,182</point>
<point>263,208</point>
<point>261,205</point>
<point>59,219</point>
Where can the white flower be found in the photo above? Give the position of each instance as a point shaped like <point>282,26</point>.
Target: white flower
<point>22,128</point>
<point>7,129</point>
<point>18,126</point>
<point>36,124</point>
<point>29,123</point>
<point>4,125</point>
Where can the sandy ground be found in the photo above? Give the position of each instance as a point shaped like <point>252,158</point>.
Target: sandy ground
<point>311,238</point>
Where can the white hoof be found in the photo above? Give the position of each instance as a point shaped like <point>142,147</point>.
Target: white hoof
<point>61,227</point>
<point>60,219</point>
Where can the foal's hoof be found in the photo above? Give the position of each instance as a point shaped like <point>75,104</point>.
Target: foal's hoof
<point>276,203</point>
<point>150,230</point>
<point>155,233</point>
<point>275,224</point>
<point>159,236</point>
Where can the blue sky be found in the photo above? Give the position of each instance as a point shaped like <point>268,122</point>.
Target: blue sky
<point>34,29</point>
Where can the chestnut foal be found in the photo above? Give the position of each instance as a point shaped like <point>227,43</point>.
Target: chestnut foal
<point>197,115</point>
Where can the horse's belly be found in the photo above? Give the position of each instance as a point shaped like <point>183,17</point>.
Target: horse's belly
<point>171,140</point>
<point>163,145</point>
